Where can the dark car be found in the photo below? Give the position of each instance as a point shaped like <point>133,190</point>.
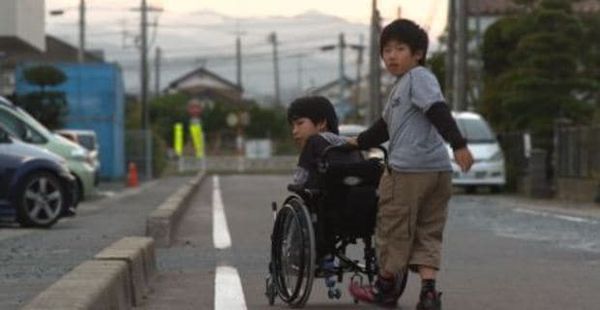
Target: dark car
<point>36,187</point>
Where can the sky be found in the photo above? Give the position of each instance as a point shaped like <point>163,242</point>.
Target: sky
<point>428,13</point>
<point>186,37</point>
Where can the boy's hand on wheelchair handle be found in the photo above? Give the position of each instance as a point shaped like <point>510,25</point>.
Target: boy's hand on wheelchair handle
<point>463,158</point>
<point>352,141</point>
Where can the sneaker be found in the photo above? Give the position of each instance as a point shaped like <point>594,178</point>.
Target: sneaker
<point>373,295</point>
<point>328,265</point>
<point>328,269</point>
<point>430,300</point>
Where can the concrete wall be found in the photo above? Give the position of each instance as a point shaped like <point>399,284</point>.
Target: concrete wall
<point>24,19</point>
<point>583,190</point>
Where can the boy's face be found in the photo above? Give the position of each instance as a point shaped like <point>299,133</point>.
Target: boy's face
<point>303,127</point>
<point>399,58</point>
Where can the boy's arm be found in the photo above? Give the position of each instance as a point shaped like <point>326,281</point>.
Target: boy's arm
<point>441,117</point>
<point>374,136</point>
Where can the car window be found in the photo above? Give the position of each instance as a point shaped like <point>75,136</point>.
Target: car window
<point>87,141</point>
<point>475,130</point>
<point>33,122</point>
<point>20,129</point>
<point>4,137</point>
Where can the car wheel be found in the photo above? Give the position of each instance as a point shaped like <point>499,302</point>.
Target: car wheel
<point>40,200</point>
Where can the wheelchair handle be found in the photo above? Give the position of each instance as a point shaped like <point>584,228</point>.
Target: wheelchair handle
<point>347,147</point>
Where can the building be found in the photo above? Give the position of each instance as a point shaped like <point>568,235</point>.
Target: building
<point>23,39</point>
<point>94,90</point>
<point>207,85</point>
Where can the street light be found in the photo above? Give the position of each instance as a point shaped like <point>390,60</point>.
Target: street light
<point>81,50</point>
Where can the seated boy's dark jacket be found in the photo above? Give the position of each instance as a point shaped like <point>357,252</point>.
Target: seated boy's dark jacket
<point>306,172</point>
<point>439,115</point>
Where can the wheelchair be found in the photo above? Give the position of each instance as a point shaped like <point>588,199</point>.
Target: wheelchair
<point>347,187</point>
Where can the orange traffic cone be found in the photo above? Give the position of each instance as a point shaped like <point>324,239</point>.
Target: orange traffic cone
<point>132,175</point>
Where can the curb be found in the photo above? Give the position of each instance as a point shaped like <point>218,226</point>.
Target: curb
<point>162,222</point>
<point>138,253</point>
<point>117,278</point>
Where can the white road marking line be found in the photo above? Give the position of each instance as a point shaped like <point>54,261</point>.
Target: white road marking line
<point>557,216</point>
<point>228,289</point>
<point>221,237</point>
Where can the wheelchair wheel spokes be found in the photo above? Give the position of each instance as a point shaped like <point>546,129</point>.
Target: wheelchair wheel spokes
<point>293,253</point>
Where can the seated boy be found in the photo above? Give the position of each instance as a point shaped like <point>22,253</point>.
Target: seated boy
<point>314,128</point>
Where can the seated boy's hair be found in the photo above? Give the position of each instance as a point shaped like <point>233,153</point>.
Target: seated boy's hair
<point>408,32</point>
<point>315,108</point>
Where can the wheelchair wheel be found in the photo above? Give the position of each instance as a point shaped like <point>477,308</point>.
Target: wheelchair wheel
<point>293,253</point>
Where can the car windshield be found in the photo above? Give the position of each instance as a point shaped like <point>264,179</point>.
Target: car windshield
<point>475,130</point>
<point>87,141</point>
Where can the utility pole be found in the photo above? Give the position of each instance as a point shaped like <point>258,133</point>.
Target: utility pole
<point>460,74</point>
<point>273,40</point>
<point>451,53</point>
<point>342,82</point>
<point>341,46</point>
<point>144,89</point>
<point>238,57</point>
<point>375,106</point>
<point>300,72</point>
<point>359,62</point>
<point>81,50</point>
<point>157,65</point>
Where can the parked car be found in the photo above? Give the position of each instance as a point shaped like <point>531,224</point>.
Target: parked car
<point>36,187</point>
<point>488,169</point>
<point>29,130</point>
<point>87,139</point>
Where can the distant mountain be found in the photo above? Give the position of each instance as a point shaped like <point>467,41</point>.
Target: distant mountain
<point>193,39</point>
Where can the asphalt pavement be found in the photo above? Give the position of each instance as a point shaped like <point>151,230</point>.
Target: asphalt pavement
<point>32,259</point>
<point>500,252</point>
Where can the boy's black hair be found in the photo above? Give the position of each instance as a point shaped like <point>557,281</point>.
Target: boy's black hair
<point>315,108</point>
<point>408,32</point>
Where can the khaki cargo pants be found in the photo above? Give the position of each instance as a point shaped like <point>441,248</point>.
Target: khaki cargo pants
<point>412,213</point>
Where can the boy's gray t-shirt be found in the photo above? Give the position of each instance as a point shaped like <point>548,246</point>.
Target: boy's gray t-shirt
<point>415,145</point>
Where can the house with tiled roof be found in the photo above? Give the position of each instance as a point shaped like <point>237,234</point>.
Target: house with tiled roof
<point>204,84</point>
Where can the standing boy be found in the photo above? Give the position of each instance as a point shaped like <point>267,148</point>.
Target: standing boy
<point>415,189</point>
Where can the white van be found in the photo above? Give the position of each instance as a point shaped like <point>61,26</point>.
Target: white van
<point>488,169</point>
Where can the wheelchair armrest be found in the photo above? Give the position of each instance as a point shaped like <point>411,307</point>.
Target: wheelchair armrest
<point>306,193</point>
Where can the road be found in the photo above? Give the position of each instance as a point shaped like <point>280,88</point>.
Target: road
<point>32,259</point>
<point>499,253</point>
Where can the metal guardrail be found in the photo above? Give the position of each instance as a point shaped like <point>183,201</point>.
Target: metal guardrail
<point>239,164</point>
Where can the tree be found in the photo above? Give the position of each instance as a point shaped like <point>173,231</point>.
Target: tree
<point>533,70</point>
<point>44,76</point>
<point>48,107</point>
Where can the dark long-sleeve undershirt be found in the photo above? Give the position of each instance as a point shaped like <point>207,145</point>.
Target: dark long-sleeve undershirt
<point>438,114</point>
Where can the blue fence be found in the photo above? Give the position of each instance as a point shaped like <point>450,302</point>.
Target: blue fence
<point>96,96</point>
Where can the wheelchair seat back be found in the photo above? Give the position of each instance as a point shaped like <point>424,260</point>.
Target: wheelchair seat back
<point>349,184</point>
